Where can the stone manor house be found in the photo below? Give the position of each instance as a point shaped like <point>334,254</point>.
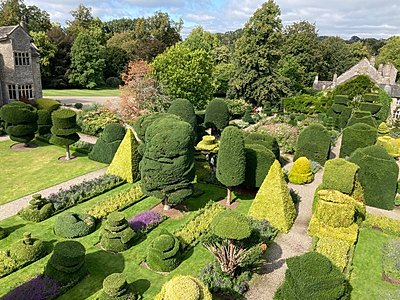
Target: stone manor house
<point>384,76</point>
<point>19,65</point>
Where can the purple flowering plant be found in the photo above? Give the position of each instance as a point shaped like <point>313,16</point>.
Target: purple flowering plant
<point>38,288</point>
<point>146,221</point>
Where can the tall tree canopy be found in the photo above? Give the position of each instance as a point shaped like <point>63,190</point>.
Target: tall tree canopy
<point>390,52</point>
<point>84,21</point>
<point>47,49</point>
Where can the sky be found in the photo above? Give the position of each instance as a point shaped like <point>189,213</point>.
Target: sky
<point>345,18</point>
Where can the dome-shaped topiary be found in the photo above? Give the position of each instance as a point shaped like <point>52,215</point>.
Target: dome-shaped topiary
<point>27,249</point>
<point>117,235</point>
<point>301,173</point>
<point>163,254</point>
<point>73,225</point>
<point>184,109</point>
<point>115,287</point>
<point>264,139</point>
<point>67,264</point>
<point>184,288</point>
<point>217,115</point>
<point>231,225</point>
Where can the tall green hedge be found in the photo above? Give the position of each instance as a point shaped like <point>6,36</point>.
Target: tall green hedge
<point>378,176</point>
<point>264,139</point>
<point>184,109</point>
<point>314,142</point>
<point>340,175</point>
<point>258,161</point>
<point>359,135</point>
<point>217,115</point>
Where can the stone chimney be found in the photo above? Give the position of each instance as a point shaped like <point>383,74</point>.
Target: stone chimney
<point>22,23</point>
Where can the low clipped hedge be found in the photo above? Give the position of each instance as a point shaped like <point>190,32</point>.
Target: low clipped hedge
<point>378,176</point>
<point>312,276</point>
<point>73,225</point>
<point>314,142</point>
<point>387,225</point>
<point>163,253</point>
<point>117,235</point>
<point>264,139</point>
<point>116,287</point>
<point>184,288</point>
<point>357,136</point>
<point>47,104</point>
<point>259,159</point>
<point>340,175</point>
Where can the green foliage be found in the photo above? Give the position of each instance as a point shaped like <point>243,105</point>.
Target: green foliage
<point>115,287</point>
<point>7,264</point>
<point>184,288</point>
<point>186,73</point>
<point>39,209</point>
<point>93,120</point>
<point>208,144</point>
<point>163,254</point>
<point>312,276</point>
<point>44,122</point>
<point>3,233</point>
<point>67,263</point>
<point>336,250</point>
<point>72,225</point>
<point>391,260</point>
<point>386,101</point>
<point>231,225</point>
<point>357,136</point>
<point>259,159</point>
<point>222,74</point>
<point>360,85</point>
<point>340,175</point>
<point>264,139</point>
<point>364,117</point>
<point>273,201</point>
<point>48,104</point>
<point>86,62</point>
<point>27,250</point>
<point>217,114</point>
<point>108,143</point>
<point>390,144</point>
<point>305,104</point>
<point>314,142</point>
<point>117,235</point>
<point>387,225</point>
<point>236,107</point>
<point>248,118</point>
<point>383,129</point>
<point>389,52</point>
<point>378,176</point>
<point>64,127</point>
<point>231,160</point>
<point>301,173</point>
<point>191,232</point>
<point>184,108</point>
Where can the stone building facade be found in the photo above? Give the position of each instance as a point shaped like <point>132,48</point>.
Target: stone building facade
<point>19,66</point>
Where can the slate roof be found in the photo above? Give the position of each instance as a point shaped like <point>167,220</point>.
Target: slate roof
<point>6,30</point>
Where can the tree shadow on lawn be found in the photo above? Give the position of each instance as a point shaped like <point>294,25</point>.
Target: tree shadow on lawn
<point>211,193</point>
<point>273,259</point>
<point>139,286</point>
<point>11,229</point>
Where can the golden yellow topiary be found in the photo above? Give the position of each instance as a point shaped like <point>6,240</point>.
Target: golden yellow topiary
<point>273,201</point>
<point>208,143</point>
<point>383,129</point>
<point>301,171</point>
<point>184,288</point>
<point>390,144</point>
<point>125,163</point>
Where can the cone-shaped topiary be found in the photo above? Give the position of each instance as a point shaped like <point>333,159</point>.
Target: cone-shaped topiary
<point>64,129</point>
<point>117,235</point>
<point>378,176</point>
<point>163,254</point>
<point>184,109</point>
<point>314,142</point>
<point>67,264</point>
<point>21,121</point>
<point>115,287</point>
<point>125,163</point>
<point>217,115</point>
<point>208,144</point>
<point>273,201</point>
<point>383,129</point>
<point>312,276</point>
<point>72,225</point>
<point>357,136</point>
<point>39,209</point>
<point>258,161</point>
<point>27,249</point>
<point>264,139</point>
<point>301,173</point>
<point>231,160</point>
<point>184,288</point>
<point>108,143</point>
<point>44,121</point>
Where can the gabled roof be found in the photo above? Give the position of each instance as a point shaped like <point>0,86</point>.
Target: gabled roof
<point>7,30</point>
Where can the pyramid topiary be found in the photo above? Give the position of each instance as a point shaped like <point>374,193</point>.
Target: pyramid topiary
<point>184,288</point>
<point>383,129</point>
<point>301,173</point>
<point>117,235</point>
<point>273,201</point>
<point>115,287</point>
<point>125,163</point>
<point>163,254</point>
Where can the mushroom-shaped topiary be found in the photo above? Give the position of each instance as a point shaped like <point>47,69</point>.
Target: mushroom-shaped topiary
<point>208,144</point>
<point>72,225</point>
<point>27,249</point>
<point>115,287</point>
<point>39,209</point>
<point>184,288</point>
<point>117,235</point>
<point>301,171</point>
<point>163,254</point>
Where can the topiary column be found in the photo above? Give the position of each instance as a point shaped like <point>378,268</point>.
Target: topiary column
<point>64,129</point>
<point>21,121</point>
<point>163,254</point>
<point>184,288</point>
<point>231,160</point>
<point>117,235</point>
<point>217,115</point>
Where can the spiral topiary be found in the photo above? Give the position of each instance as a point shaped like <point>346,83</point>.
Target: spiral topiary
<point>184,288</point>
<point>39,209</point>
<point>301,173</point>
<point>117,235</point>
<point>72,225</point>
<point>27,249</point>
<point>115,287</point>
<point>163,254</point>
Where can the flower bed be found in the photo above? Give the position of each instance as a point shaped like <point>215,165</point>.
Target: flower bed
<point>38,288</point>
<point>146,221</point>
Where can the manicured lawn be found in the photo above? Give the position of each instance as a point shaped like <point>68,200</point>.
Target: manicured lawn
<point>29,171</point>
<point>102,263</point>
<point>366,277</point>
<point>81,92</point>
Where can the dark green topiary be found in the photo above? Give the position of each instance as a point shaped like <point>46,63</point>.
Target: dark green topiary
<point>167,168</point>
<point>48,104</point>
<point>115,287</point>
<point>116,235</point>
<point>39,209</point>
<point>264,139</point>
<point>370,98</point>
<point>21,121</point>
<point>247,115</point>
<point>231,225</point>
<point>359,135</point>
<point>378,176</point>
<point>312,276</point>
<point>64,129</point>
<point>3,233</point>
<point>314,142</point>
<point>231,160</point>
<point>44,121</point>
<point>107,144</point>
<point>67,264</point>
<point>184,109</point>
<point>364,117</point>
<point>217,115</point>
<point>73,225</point>
<point>27,250</point>
<point>163,254</point>
<point>341,99</point>
<point>258,161</point>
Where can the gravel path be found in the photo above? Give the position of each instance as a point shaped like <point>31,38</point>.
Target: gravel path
<point>11,208</point>
<point>4,138</point>
<point>88,138</point>
<point>71,100</point>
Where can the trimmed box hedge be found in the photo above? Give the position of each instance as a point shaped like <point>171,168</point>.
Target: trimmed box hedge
<point>357,136</point>
<point>163,253</point>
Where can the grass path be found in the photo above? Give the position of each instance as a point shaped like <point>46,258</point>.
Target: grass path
<point>81,92</point>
